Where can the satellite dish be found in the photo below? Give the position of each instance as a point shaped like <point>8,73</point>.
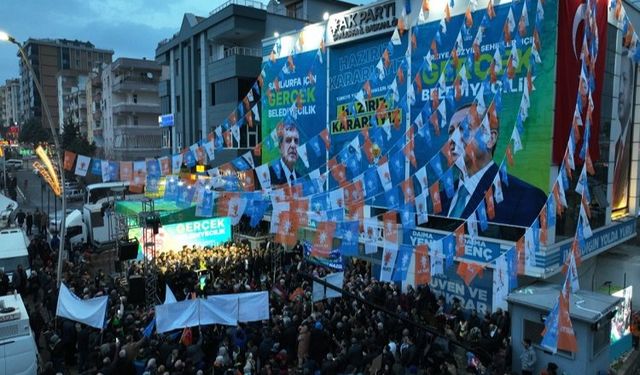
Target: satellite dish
<point>149,75</point>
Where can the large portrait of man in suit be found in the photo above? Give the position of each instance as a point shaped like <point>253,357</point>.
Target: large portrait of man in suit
<point>476,144</point>
<point>283,171</point>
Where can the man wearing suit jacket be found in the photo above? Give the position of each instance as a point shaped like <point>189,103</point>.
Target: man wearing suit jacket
<point>521,202</point>
<point>283,172</point>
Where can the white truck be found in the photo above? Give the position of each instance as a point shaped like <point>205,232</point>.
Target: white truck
<point>13,250</point>
<point>18,351</point>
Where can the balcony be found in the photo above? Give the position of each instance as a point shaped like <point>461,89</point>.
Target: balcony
<point>131,84</point>
<point>122,108</point>
<point>247,3</point>
<point>238,62</point>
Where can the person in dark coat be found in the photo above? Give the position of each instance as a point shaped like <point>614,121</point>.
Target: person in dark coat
<point>20,217</point>
<point>29,222</point>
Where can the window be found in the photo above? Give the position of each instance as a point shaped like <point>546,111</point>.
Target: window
<point>213,94</point>
<point>601,337</point>
<point>176,67</point>
<point>198,98</point>
<point>294,10</point>
<point>135,98</point>
<point>532,330</point>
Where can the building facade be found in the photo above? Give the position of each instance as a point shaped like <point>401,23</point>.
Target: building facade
<point>70,88</point>
<point>49,57</point>
<point>130,108</point>
<point>213,62</point>
<point>10,92</point>
<point>93,95</point>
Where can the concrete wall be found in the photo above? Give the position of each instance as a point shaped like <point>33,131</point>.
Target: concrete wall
<point>583,362</point>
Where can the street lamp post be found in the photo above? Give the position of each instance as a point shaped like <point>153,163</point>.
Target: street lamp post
<point>6,37</point>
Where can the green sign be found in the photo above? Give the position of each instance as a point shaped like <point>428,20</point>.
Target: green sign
<point>207,232</point>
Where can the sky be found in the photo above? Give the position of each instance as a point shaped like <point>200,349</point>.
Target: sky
<point>131,28</point>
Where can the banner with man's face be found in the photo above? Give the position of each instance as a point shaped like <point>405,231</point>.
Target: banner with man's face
<point>532,162</point>
<point>293,94</point>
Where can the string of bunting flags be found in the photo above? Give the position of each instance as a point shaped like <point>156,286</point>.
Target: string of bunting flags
<point>338,212</point>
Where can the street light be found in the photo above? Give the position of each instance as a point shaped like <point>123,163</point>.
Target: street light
<point>8,38</point>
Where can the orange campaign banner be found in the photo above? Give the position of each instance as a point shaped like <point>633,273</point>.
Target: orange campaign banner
<point>390,227</point>
<point>323,243</point>
<point>287,230</point>
<point>422,265</point>
<point>69,159</point>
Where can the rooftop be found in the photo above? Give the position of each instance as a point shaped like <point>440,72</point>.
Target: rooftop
<point>584,305</point>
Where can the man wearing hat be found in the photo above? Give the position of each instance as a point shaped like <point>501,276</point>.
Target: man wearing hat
<point>476,143</point>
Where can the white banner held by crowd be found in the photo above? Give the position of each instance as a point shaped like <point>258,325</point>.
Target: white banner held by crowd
<point>321,292</point>
<point>90,311</point>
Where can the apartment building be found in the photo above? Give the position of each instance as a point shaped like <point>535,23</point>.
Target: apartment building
<point>50,57</point>
<point>213,62</point>
<point>130,107</point>
<point>93,100</point>
<point>9,94</point>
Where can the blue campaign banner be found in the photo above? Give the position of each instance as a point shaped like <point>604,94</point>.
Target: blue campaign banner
<point>601,240</point>
<point>350,66</point>
<point>478,296</point>
<point>294,93</point>
<point>479,250</point>
<point>334,260</point>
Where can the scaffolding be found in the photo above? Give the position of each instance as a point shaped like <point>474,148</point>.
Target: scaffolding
<point>149,222</point>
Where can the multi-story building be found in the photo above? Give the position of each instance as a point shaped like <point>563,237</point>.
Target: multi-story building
<point>75,107</point>
<point>70,88</point>
<point>49,57</point>
<point>215,60</point>
<point>9,103</point>
<point>130,109</point>
<point>93,95</point>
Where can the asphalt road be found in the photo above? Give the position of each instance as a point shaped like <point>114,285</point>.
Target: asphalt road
<point>34,193</point>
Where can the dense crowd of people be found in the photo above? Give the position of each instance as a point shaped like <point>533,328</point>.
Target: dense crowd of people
<point>336,336</point>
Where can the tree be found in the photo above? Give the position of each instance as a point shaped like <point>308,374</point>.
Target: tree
<point>72,140</point>
<point>33,132</point>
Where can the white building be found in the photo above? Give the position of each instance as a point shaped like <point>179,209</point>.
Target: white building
<point>130,110</point>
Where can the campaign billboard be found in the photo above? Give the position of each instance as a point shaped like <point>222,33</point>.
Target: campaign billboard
<point>171,237</point>
<point>365,92</point>
<point>295,94</point>
<point>476,296</point>
<point>483,148</point>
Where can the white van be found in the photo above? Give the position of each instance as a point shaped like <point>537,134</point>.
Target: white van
<point>18,351</point>
<point>13,251</point>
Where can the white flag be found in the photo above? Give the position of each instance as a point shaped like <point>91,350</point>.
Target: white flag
<point>388,261</point>
<point>82,165</point>
<point>88,311</point>
<point>321,292</point>
<point>500,283</point>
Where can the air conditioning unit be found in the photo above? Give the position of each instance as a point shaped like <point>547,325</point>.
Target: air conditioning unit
<point>14,320</point>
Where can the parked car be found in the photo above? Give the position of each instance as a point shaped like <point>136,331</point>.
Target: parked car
<point>73,192</point>
<point>14,163</point>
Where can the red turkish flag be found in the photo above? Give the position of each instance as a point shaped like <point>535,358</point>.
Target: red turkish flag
<point>570,36</point>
